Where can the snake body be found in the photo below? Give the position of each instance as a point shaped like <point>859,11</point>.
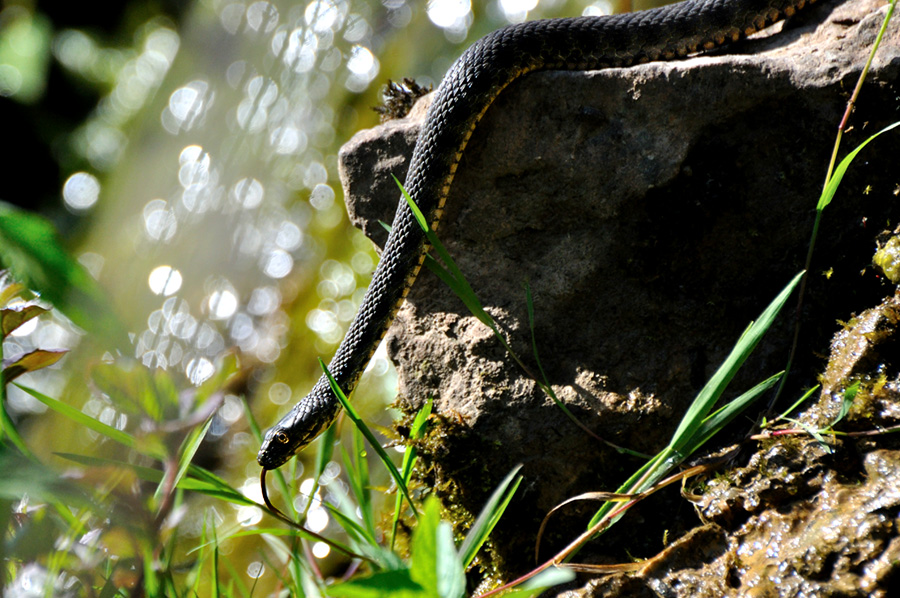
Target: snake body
<point>466,92</point>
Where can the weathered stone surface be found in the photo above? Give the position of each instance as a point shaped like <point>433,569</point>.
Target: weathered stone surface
<point>654,211</point>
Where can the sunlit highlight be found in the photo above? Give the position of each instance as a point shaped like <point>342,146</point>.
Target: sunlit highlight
<point>81,191</point>
<point>164,280</point>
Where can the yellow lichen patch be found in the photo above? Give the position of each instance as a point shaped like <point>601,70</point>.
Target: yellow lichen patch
<point>887,259</point>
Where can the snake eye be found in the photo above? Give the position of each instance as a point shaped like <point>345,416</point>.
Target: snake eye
<point>282,437</point>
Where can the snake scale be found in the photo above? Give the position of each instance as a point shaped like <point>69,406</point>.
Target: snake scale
<point>466,92</point>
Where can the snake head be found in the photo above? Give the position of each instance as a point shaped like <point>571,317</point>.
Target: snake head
<point>309,418</point>
<point>277,448</point>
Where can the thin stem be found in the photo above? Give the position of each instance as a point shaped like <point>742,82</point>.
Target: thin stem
<point>831,165</point>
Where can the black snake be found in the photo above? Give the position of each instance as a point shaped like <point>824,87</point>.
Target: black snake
<point>466,92</point>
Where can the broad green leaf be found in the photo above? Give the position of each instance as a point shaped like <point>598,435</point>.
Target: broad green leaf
<point>33,252</point>
<point>435,564</point>
<point>29,362</point>
<point>395,584</point>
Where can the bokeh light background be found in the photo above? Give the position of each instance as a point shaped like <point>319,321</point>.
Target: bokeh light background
<point>205,196</point>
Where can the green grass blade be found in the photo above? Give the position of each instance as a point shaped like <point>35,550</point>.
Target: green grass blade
<point>469,299</point>
<point>489,516</point>
<point>9,427</point>
<point>77,416</point>
<point>451,274</point>
<point>361,485</point>
<point>817,434</point>
<point>362,542</point>
<point>695,428</point>
<point>416,431</point>
<point>189,449</point>
<point>202,552</point>
<point>373,442</point>
<point>722,417</point>
<point>713,389</point>
<point>799,401</point>
<point>155,476</point>
<point>835,181</point>
<point>356,531</point>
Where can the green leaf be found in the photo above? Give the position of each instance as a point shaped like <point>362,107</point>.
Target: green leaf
<point>77,416</point>
<point>189,448</point>
<point>359,482</point>
<point>396,584</point>
<point>713,389</point>
<point>797,403</point>
<point>847,402</point>
<point>721,418</point>
<point>451,275</point>
<point>835,181</point>
<point>9,427</point>
<point>33,252</point>
<point>489,516</point>
<point>10,290</point>
<point>29,362</point>
<point>373,442</point>
<point>435,564</point>
<point>155,476</point>
<point>547,578</point>
<point>13,317</point>
<point>416,431</point>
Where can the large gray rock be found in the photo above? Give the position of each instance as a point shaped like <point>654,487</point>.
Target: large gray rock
<point>654,211</point>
